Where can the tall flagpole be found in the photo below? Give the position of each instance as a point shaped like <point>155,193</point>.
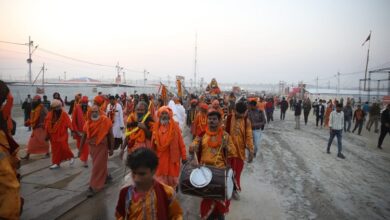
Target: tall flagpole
<point>368,55</point>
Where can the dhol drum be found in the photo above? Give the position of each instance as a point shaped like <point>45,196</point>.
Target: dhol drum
<point>207,182</point>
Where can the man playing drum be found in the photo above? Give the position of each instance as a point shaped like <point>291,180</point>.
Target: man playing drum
<point>213,149</point>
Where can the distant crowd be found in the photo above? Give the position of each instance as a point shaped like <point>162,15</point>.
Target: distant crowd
<point>226,131</point>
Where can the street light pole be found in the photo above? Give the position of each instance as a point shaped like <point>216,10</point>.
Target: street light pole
<point>145,74</point>
<point>29,60</point>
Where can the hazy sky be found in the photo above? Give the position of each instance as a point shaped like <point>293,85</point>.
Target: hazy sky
<point>238,41</point>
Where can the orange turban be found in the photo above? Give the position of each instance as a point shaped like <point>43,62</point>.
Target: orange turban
<point>204,106</point>
<point>165,109</point>
<point>252,99</point>
<point>99,100</point>
<point>84,99</point>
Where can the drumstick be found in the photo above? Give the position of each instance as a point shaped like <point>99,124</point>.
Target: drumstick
<point>196,158</point>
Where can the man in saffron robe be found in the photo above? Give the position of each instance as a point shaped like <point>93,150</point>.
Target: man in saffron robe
<point>79,117</point>
<point>139,129</point>
<point>191,112</point>
<point>200,122</point>
<point>328,110</point>
<point>213,149</point>
<point>101,101</point>
<point>169,145</point>
<point>240,129</point>
<point>98,135</point>
<point>215,105</point>
<point>37,143</point>
<point>10,201</point>
<point>149,101</point>
<point>57,123</point>
<point>261,104</point>
<point>147,198</point>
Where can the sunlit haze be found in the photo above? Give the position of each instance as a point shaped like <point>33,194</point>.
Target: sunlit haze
<point>238,41</point>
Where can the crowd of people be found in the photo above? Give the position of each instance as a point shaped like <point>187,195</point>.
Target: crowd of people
<point>226,132</point>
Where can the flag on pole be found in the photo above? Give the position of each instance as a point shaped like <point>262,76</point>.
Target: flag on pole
<point>163,92</point>
<point>368,38</point>
<point>179,88</point>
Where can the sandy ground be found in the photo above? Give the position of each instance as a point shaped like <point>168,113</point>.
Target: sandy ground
<point>293,178</point>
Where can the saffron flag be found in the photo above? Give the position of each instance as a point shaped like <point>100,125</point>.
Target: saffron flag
<point>179,89</point>
<point>163,92</point>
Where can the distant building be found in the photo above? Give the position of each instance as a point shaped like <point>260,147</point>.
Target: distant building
<point>314,93</point>
<point>82,80</point>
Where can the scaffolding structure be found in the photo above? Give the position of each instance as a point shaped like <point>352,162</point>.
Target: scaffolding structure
<point>371,90</point>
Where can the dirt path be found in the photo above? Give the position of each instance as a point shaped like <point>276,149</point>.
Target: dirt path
<point>294,178</point>
<point>303,182</point>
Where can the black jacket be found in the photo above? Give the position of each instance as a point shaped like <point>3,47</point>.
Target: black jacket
<point>257,118</point>
<point>71,104</point>
<point>27,107</point>
<point>283,105</point>
<point>385,117</point>
<point>298,109</point>
<point>320,110</point>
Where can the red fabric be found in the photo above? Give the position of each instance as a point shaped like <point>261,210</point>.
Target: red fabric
<point>84,99</point>
<point>216,207</point>
<point>58,130</point>
<point>237,166</point>
<point>84,154</point>
<point>99,155</point>
<point>37,143</point>
<point>60,151</point>
<point>162,201</point>
<point>6,110</point>
<point>78,120</point>
<point>59,137</point>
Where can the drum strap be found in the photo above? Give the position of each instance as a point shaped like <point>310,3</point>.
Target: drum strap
<point>224,150</point>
